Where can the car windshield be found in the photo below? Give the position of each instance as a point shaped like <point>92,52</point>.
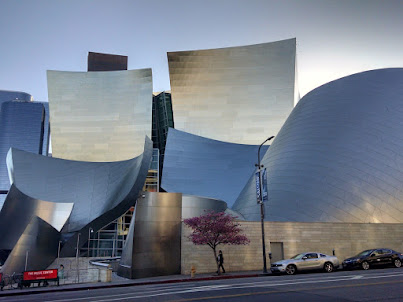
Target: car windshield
<point>298,256</point>
<point>364,253</point>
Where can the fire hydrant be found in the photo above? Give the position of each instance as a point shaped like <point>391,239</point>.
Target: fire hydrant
<point>192,271</point>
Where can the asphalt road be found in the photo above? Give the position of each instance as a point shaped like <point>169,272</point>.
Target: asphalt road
<point>373,285</point>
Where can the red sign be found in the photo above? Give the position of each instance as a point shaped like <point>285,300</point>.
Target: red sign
<point>40,275</point>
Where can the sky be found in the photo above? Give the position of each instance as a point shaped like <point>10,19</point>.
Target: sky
<point>334,38</point>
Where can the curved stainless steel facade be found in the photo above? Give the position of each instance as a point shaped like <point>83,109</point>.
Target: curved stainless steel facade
<point>235,94</point>
<point>100,116</point>
<point>153,245</point>
<point>199,166</point>
<point>93,187</point>
<point>18,211</point>
<point>100,192</point>
<point>156,238</point>
<point>40,240</point>
<point>193,206</point>
<point>339,156</point>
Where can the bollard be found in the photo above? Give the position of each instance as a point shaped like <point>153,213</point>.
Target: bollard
<point>192,271</point>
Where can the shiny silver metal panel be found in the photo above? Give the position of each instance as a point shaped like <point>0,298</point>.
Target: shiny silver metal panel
<point>339,156</point>
<point>193,206</point>
<point>101,192</point>
<point>199,166</point>
<point>94,188</point>
<point>18,211</point>
<point>153,244</point>
<point>38,245</point>
<point>235,94</point>
<point>2,199</point>
<point>119,204</point>
<point>100,116</point>
<point>157,235</point>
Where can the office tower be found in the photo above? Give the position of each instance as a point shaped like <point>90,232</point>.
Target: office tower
<point>23,125</point>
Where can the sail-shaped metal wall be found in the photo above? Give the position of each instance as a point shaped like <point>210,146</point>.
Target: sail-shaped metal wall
<point>153,245</point>
<point>101,192</point>
<point>35,249</point>
<point>235,94</point>
<point>100,116</point>
<point>339,156</point>
<point>18,211</point>
<point>70,196</point>
<point>200,166</point>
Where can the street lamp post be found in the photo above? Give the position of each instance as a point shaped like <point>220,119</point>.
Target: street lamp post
<point>260,201</point>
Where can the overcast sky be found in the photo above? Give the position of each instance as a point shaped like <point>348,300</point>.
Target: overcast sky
<point>334,38</point>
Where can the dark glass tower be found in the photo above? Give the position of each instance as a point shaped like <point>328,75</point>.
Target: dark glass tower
<point>106,62</point>
<point>14,95</point>
<point>23,125</point>
<point>46,130</point>
<point>162,120</point>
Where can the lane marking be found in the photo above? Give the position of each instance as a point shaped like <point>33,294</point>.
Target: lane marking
<point>180,288</point>
<point>357,277</point>
<point>283,291</point>
<point>217,288</point>
<point>133,289</point>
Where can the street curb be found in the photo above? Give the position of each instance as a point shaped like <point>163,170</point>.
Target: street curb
<point>55,289</point>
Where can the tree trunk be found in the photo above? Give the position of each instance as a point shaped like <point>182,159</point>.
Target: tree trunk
<point>216,261</point>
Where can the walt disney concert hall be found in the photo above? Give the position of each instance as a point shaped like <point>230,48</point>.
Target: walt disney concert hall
<point>132,164</point>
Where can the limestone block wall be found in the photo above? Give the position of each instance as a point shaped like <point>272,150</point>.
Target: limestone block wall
<point>347,239</point>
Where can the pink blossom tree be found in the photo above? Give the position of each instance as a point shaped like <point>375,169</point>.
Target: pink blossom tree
<point>213,229</point>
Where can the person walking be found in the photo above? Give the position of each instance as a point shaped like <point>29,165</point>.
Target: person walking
<point>60,274</point>
<point>220,262</point>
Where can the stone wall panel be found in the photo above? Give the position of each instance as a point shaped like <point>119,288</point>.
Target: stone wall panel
<point>347,239</point>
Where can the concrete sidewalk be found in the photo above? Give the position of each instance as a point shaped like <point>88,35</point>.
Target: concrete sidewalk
<point>122,282</point>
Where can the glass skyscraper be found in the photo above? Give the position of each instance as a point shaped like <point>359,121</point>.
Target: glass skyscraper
<point>24,125</point>
<point>6,95</point>
<point>162,120</point>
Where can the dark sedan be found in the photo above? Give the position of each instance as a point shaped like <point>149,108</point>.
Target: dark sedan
<point>374,257</point>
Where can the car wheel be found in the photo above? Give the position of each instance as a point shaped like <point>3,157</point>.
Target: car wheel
<point>365,265</point>
<point>328,267</point>
<point>397,262</point>
<point>290,269</point>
